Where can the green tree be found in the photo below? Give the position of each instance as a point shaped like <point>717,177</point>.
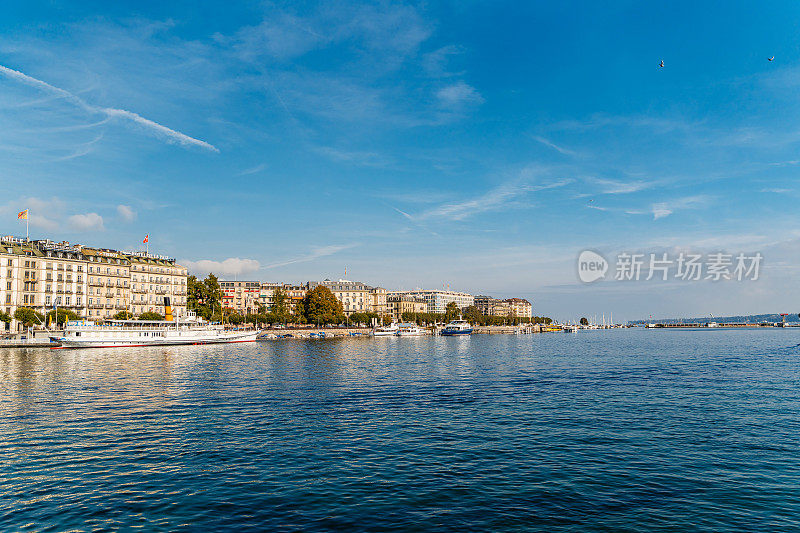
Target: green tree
<point>60,316</point>
<point>150,315</point>
<point>28,316</point>
<point>584,321</point>
<point>320,306</point>
<point>204,297</point>
<point>451,312</point>
<point>5,317</point>
<point>123,315</point>
<point>280,306</point>
<point>235,318</point>
<point>212,295</point>
<point>472,314</point>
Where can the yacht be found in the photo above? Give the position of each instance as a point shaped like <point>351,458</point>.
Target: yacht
<point>386,331</point>
<point>119,333</point>
<point>457,327</point>
<point>409,330</point>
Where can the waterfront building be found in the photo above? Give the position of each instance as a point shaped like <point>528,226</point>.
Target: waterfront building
<point>379,302</point>
<point>93,283</point>
<point>400,303</point>
<point>520,307</point>
<point>152,277</point>
<point>241,296</point>
<point>511,307</point>
<point>295,294</point>
<point>266,293</point>
<point>109,276</point>
<point>355,297</point>
<point>437,300</point>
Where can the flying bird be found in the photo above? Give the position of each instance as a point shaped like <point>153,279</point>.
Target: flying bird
<point>770,58</point>
<point>662,63</point>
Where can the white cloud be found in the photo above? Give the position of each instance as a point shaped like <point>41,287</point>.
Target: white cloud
<point>664,209</point>
<point>42,213</point>
<point>126,213</point>
<point>458,95</point>
<point>86,222</point>
<point>163,132</point>
<point>233,266</point>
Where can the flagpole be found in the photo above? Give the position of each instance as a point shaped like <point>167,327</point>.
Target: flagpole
<point>27,217</point>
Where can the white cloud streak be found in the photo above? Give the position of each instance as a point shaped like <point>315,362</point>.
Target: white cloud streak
<point>554,146</point>
<point>315,253</point>
<point>160,131</point>
<point>495,199</point>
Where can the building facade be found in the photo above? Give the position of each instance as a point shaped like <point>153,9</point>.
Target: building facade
<point>510,307</point>
<point>154,277</point>
<point>437,300</point>
<point>520,307</point>
<point>91,282</point>
<point>355,296</point>
<point>241,296</point>
<point>399,304</point>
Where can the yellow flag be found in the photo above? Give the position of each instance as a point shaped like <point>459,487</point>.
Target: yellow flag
<point>23,215</point>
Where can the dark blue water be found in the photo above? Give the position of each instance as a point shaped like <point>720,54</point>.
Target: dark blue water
<point>594,431</point>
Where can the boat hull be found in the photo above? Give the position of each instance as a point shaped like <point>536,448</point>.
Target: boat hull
<point>122,343</point>
<point>453,333</point>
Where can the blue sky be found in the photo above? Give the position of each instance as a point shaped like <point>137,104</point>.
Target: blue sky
<point>476,145</point>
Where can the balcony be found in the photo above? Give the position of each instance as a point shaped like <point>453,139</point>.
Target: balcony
<point>95,306</point>
<point>109,306</point>
<point>96,283</point>
<point>109,295</point>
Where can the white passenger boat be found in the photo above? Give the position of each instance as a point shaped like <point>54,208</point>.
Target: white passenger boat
<point>386,331</point>
<point>118,333</point>
<point>409,330</point>
<point>457,327</point>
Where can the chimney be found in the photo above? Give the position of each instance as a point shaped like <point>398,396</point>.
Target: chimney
<point>167,309</point>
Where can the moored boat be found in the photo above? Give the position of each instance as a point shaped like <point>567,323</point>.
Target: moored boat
<point>457,327</point>
<point>409,330</point>
<point>386,331</point>
<point>169,332</point>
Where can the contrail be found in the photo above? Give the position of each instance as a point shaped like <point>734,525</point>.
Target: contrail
<point>161,131</point>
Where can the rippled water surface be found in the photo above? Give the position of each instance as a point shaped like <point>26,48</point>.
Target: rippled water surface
<point>596,431</point>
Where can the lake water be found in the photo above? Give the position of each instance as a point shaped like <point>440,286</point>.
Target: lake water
<point>621,430</point>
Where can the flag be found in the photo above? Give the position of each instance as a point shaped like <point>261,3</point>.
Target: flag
<point>146,239</point>
<point>22,215</point>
